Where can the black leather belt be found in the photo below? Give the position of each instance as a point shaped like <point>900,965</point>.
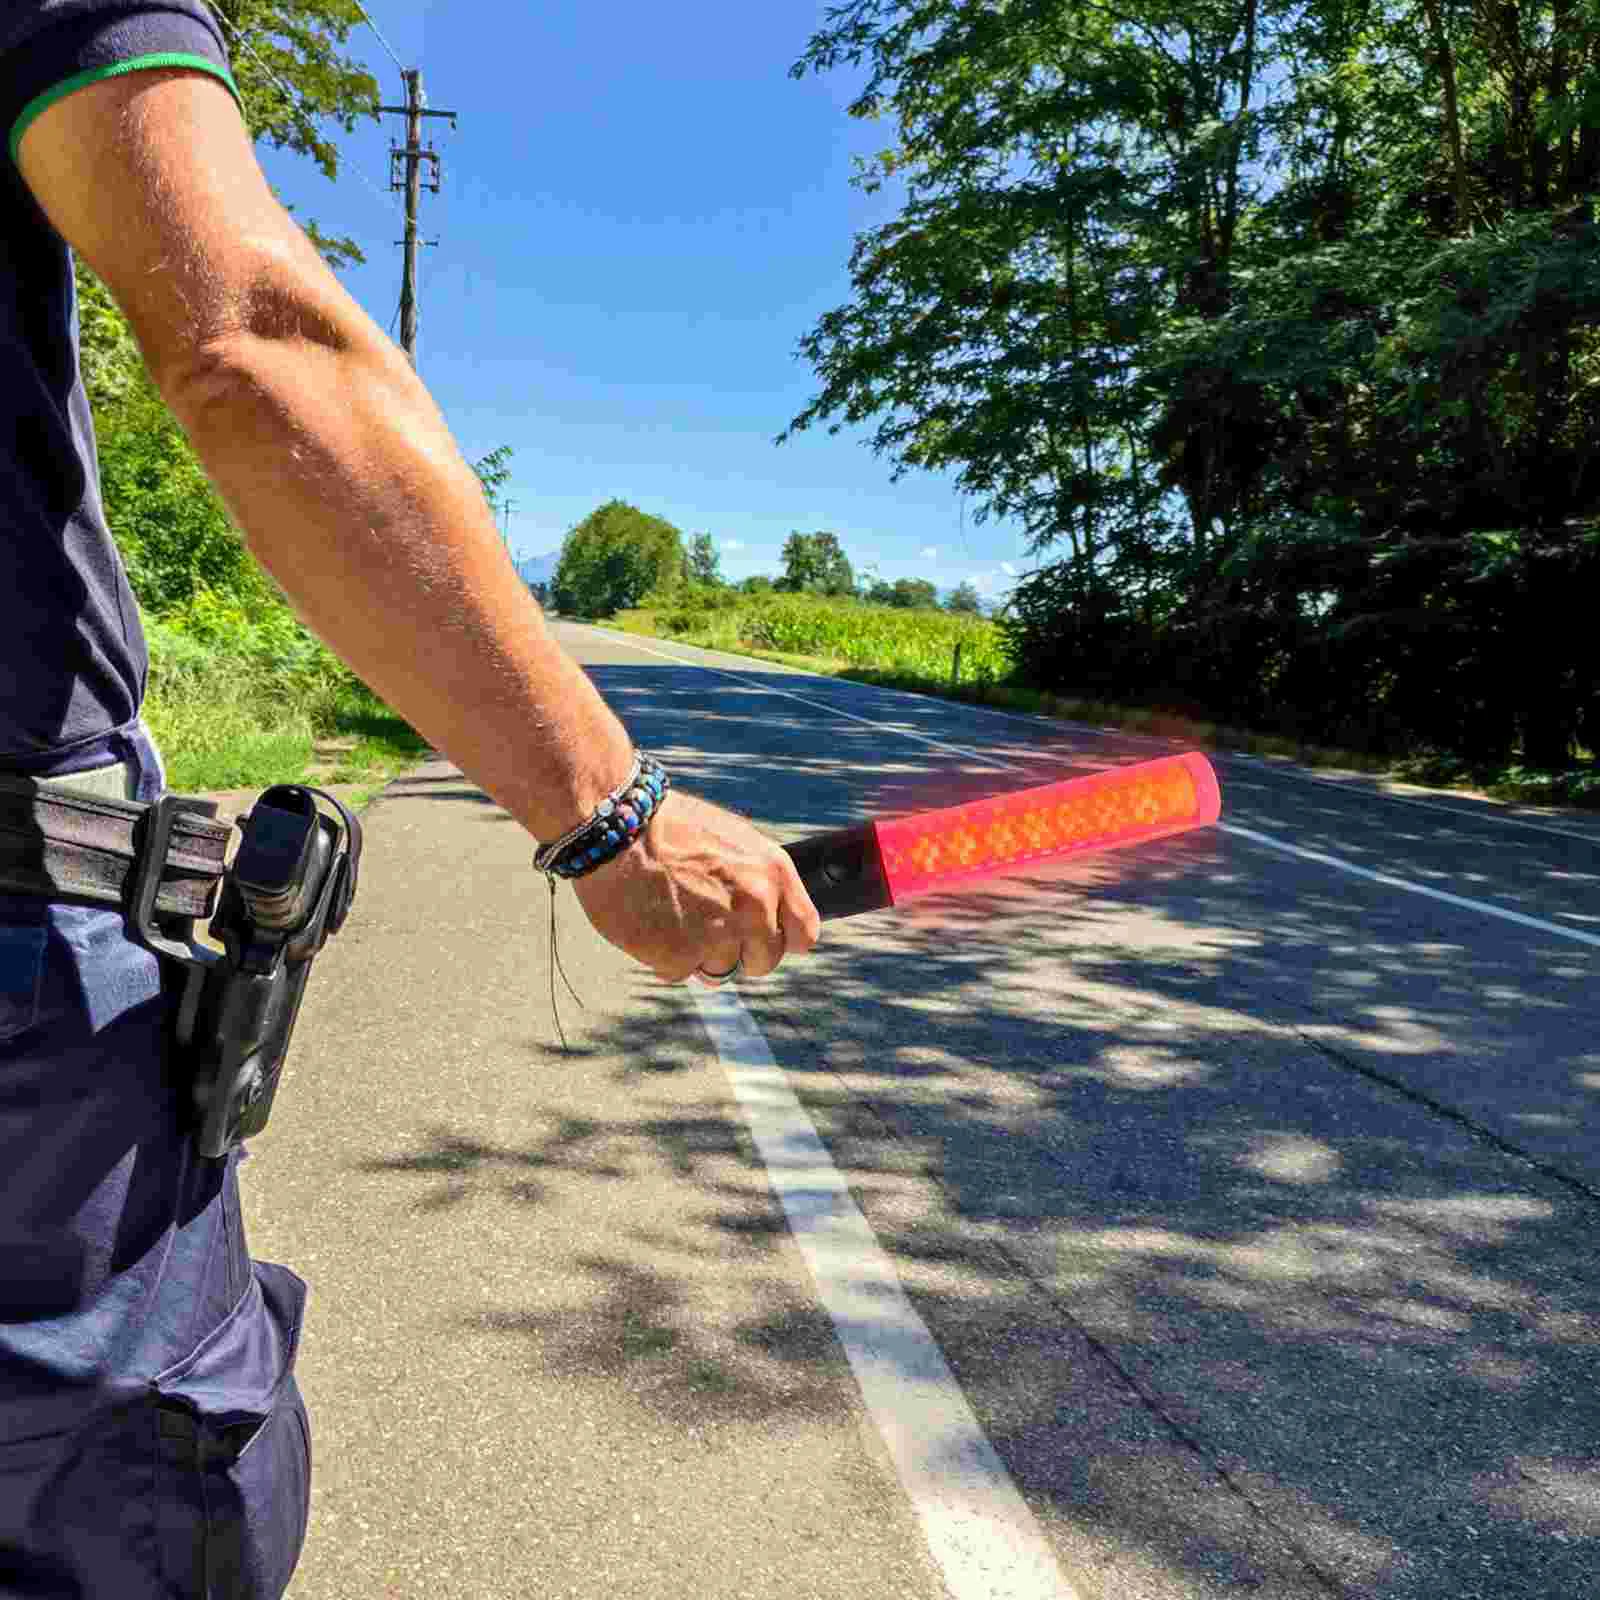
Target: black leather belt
<point>67,844</point>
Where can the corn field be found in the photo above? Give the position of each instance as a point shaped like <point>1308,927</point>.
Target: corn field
<point>887,638</point>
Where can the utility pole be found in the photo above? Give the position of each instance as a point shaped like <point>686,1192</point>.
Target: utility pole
<point>405,172</point>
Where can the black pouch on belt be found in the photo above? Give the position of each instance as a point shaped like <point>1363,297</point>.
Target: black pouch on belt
<point>288,889</point>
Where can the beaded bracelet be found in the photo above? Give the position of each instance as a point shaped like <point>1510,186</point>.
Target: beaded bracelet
<point>617,822</point>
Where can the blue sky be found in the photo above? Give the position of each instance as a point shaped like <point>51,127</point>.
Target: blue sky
<point>641,215</point>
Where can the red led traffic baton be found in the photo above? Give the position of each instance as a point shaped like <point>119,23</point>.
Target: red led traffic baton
<point>875,865</point>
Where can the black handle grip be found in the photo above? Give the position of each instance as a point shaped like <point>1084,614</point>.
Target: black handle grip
<point>843,871</point>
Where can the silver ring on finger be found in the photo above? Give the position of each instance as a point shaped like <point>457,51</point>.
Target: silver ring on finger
<point>714,980</point>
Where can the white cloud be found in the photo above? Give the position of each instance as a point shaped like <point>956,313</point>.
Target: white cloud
<point>931,553</point>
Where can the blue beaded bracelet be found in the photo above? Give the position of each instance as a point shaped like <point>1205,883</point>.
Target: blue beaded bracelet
<point>617,821</point>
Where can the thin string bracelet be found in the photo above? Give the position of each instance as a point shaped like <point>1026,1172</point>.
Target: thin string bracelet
<point>555,961</point>
<point>616,823</point>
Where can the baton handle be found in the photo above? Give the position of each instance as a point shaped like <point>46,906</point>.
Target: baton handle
<point>843,871</point>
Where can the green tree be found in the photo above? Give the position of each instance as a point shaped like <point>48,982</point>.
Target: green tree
<point>1299,389</point>
<point>757,585</point>
<point>494,474</point>
<point>964,598</point>
<point>913,594</point>
<point>613,558</point>
<point>814,563</point>
<point>704,561</point>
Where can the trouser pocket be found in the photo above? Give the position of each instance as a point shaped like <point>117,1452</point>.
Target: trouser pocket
<point>234,1450</point>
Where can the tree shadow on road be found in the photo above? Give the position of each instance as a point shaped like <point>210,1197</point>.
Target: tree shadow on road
<point>1209,1191</point>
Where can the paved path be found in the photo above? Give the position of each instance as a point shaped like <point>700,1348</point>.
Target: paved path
<point>1248,1196</point>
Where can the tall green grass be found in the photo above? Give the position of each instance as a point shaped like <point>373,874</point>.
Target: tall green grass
<point>239,696</point>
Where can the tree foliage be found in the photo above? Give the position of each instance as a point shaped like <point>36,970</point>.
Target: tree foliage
<point>907,594</point>
<point>814,563</point>
<point>964,598</point>
<point>1275,325</point>
<point>703,563</point>
<point>494,473</point>
<point>613,558</point>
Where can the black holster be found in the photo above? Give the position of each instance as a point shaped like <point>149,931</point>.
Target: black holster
<point>287,890</point>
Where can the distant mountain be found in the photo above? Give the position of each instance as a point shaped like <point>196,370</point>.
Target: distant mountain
<point>538,569</point>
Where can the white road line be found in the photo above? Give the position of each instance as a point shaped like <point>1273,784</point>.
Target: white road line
<point>834,711</point>
<point>1047,723</point>
<point>1484,907</point>
<point>979,1529</point>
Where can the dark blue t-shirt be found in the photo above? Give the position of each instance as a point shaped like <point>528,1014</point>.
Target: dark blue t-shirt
<point>72,652</point>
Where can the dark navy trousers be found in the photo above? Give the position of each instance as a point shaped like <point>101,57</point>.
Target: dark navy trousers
<point>153,1441</point>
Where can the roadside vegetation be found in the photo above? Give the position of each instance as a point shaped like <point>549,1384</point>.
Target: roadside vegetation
<point>1274,330</point>
<point>243,704</point>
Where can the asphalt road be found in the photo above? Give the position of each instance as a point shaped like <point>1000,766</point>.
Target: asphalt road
<point>1248,1196</point>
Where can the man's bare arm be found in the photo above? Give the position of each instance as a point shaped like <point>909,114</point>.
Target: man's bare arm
<point>327,449</point>
<point>340,471</point>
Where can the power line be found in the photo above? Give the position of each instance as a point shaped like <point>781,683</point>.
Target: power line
<point>381,40</point>
<point>298,109</point>
<point>408,159</point>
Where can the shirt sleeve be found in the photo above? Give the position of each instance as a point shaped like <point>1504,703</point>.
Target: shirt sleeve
<point>48,48</point>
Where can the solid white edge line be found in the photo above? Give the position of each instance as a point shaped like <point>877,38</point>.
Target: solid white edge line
<point>979,1530</point>
<point>1487,908</point>
<point>1223,757</point>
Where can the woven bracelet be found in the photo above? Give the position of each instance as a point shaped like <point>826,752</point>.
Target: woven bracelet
<point>617,821</point>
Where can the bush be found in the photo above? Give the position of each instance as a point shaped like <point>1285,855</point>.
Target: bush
<point>234,690</point>
<point>691,605</point>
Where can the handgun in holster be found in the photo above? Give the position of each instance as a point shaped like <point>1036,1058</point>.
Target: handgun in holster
<point>287,890</point>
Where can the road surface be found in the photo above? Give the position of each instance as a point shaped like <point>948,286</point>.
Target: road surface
<point>1206,1220</point>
